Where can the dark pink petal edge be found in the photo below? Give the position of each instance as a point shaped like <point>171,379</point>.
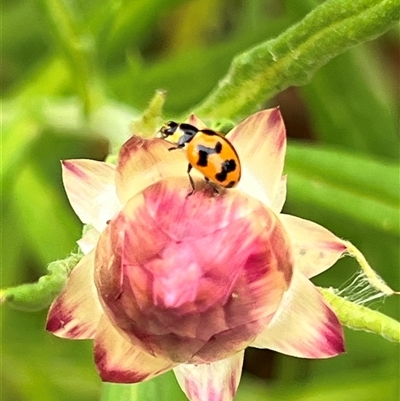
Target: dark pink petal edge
<point>76,311</point>
<point>119,360</point>
<point>304,325</point>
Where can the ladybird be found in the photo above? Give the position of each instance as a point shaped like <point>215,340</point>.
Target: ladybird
<point>208,152</point>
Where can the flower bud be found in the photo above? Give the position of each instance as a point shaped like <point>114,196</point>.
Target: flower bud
<point>193,279</point>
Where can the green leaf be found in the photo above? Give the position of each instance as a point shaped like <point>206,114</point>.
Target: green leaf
<point>131,23</point>
<point>151,119</point>
<point>351,104</point>
<point>49,78</point>
<point>23,117</point>
<point>198,69</point>
<point>358,317</point>
<point>79,48</point>
<point>36,296</point>
<point>355,187</point>
<point>292,58</point>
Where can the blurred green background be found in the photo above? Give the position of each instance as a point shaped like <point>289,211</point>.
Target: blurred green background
<point>105,63</point>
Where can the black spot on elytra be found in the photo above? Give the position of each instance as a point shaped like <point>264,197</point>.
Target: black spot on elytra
<point>221,176</point>
<point>226,167</point>
<point>203,158</point>
<point>205,151</point>
<point>229,165</point>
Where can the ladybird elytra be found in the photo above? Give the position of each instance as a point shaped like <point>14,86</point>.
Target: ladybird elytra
<point>208,152</point>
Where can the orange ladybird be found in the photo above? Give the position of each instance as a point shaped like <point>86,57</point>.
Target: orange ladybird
<point>208,152</point>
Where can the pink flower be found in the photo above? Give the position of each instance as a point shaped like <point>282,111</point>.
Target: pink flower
<point>169,282</point>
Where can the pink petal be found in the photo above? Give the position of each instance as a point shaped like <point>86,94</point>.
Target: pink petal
<point>280,196</point>
<point>315,248</point>
<point>260,141</point>
<point>121,361</point>
<point>143,162</point>
<point>77,310</point>
<point>195,121</point>
<point>90,188</point>
<point>304,325</point>
<point>217,381</point>
<point>249,184</point>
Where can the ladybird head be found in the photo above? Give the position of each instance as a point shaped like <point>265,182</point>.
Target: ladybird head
<point>168,129</point>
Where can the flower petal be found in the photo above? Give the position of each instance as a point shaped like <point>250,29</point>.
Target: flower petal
<point>121,361</point>
<point>260,141</point>
<point>76,311</point>
<point>280,196</point>
<point>217,381</point>
<point>249,184</point>
<point>315,248</point>
<point>304,325</point>
<point>143,162</point>
<point>90,189</point>
<point>195,121</point>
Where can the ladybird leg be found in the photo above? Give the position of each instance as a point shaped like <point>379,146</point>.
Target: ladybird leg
<point>212,185</point>
<point>190,179</point>
<point>176,147</point>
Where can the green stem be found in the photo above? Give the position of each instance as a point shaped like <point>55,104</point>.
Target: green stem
<point>257,75</point>
<point>78,47</point>
<point>37,296</point>
<point>359,317</point>
<point>148,122</point>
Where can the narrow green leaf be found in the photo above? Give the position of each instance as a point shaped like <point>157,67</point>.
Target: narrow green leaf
<point>198,69</point>
<point>292,58</point>
<point>37,296</point>
<point>356,187</point>
<point>23,41</point>
<point>358,317</point>
<point>48,79</point>
<point>131,23</point>
<point>351,104</point>
<point>151,118</point>
<point>78,46</point>
<point>23,117</point>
